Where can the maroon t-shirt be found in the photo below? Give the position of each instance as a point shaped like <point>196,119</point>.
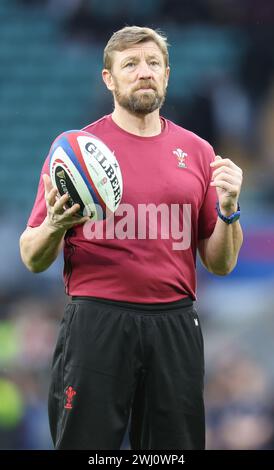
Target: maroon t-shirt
<point>139,256</point>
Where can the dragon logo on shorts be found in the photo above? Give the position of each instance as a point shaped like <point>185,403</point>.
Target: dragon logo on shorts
<point>70,392</point>
<point>181,156</point>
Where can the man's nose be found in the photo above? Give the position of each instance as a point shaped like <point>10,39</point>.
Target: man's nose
<point>144,70</point>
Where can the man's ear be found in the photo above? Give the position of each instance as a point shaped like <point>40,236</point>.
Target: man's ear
<point>167,75</point>
<point>107,78</point>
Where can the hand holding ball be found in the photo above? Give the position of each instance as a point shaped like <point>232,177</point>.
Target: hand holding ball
<point>83,167</point>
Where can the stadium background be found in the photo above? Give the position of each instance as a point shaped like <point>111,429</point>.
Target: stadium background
<point>222,87</point>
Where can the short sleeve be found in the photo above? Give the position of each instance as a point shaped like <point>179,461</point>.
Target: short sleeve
<point>208,214</point>
<point>39,210</point>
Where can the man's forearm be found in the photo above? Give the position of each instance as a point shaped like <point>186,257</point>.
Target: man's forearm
<point>221,250</point>
<point>40,246</point>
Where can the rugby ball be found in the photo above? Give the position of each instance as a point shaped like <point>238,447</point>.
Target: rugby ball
<point>85,168</point>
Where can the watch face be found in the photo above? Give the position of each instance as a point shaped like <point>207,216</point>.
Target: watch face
<point>234,217</point>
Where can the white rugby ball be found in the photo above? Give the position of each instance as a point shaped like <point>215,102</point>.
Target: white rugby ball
<point>85,168</point>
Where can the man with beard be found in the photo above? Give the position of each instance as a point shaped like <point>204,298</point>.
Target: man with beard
<point>130,347</point>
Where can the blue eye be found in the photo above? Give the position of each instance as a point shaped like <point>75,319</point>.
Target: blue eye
<point>154,62</point>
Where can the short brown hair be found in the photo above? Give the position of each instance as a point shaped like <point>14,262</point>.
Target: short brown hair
<point>131,35</point>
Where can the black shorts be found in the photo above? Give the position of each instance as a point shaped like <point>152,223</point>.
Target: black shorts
<point>116,361</point>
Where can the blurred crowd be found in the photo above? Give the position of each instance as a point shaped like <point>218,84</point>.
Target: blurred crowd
<point>240,405</point>
<point>232,106</point>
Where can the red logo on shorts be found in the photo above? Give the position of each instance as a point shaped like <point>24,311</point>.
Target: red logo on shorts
<point>70,392</point>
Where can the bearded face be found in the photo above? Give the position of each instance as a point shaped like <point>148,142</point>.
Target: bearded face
<point>142,99</point>
<point>138,78</point>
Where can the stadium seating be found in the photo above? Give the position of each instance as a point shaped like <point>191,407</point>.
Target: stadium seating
<point>50,83</point>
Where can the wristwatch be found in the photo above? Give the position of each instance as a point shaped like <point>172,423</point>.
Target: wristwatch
<point>230,219</point>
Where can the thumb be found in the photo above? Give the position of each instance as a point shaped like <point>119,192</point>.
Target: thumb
<point>47,183</point>
<point>216,159</point>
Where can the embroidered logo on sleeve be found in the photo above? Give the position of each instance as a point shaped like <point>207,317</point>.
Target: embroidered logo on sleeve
<point>70,392</point>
